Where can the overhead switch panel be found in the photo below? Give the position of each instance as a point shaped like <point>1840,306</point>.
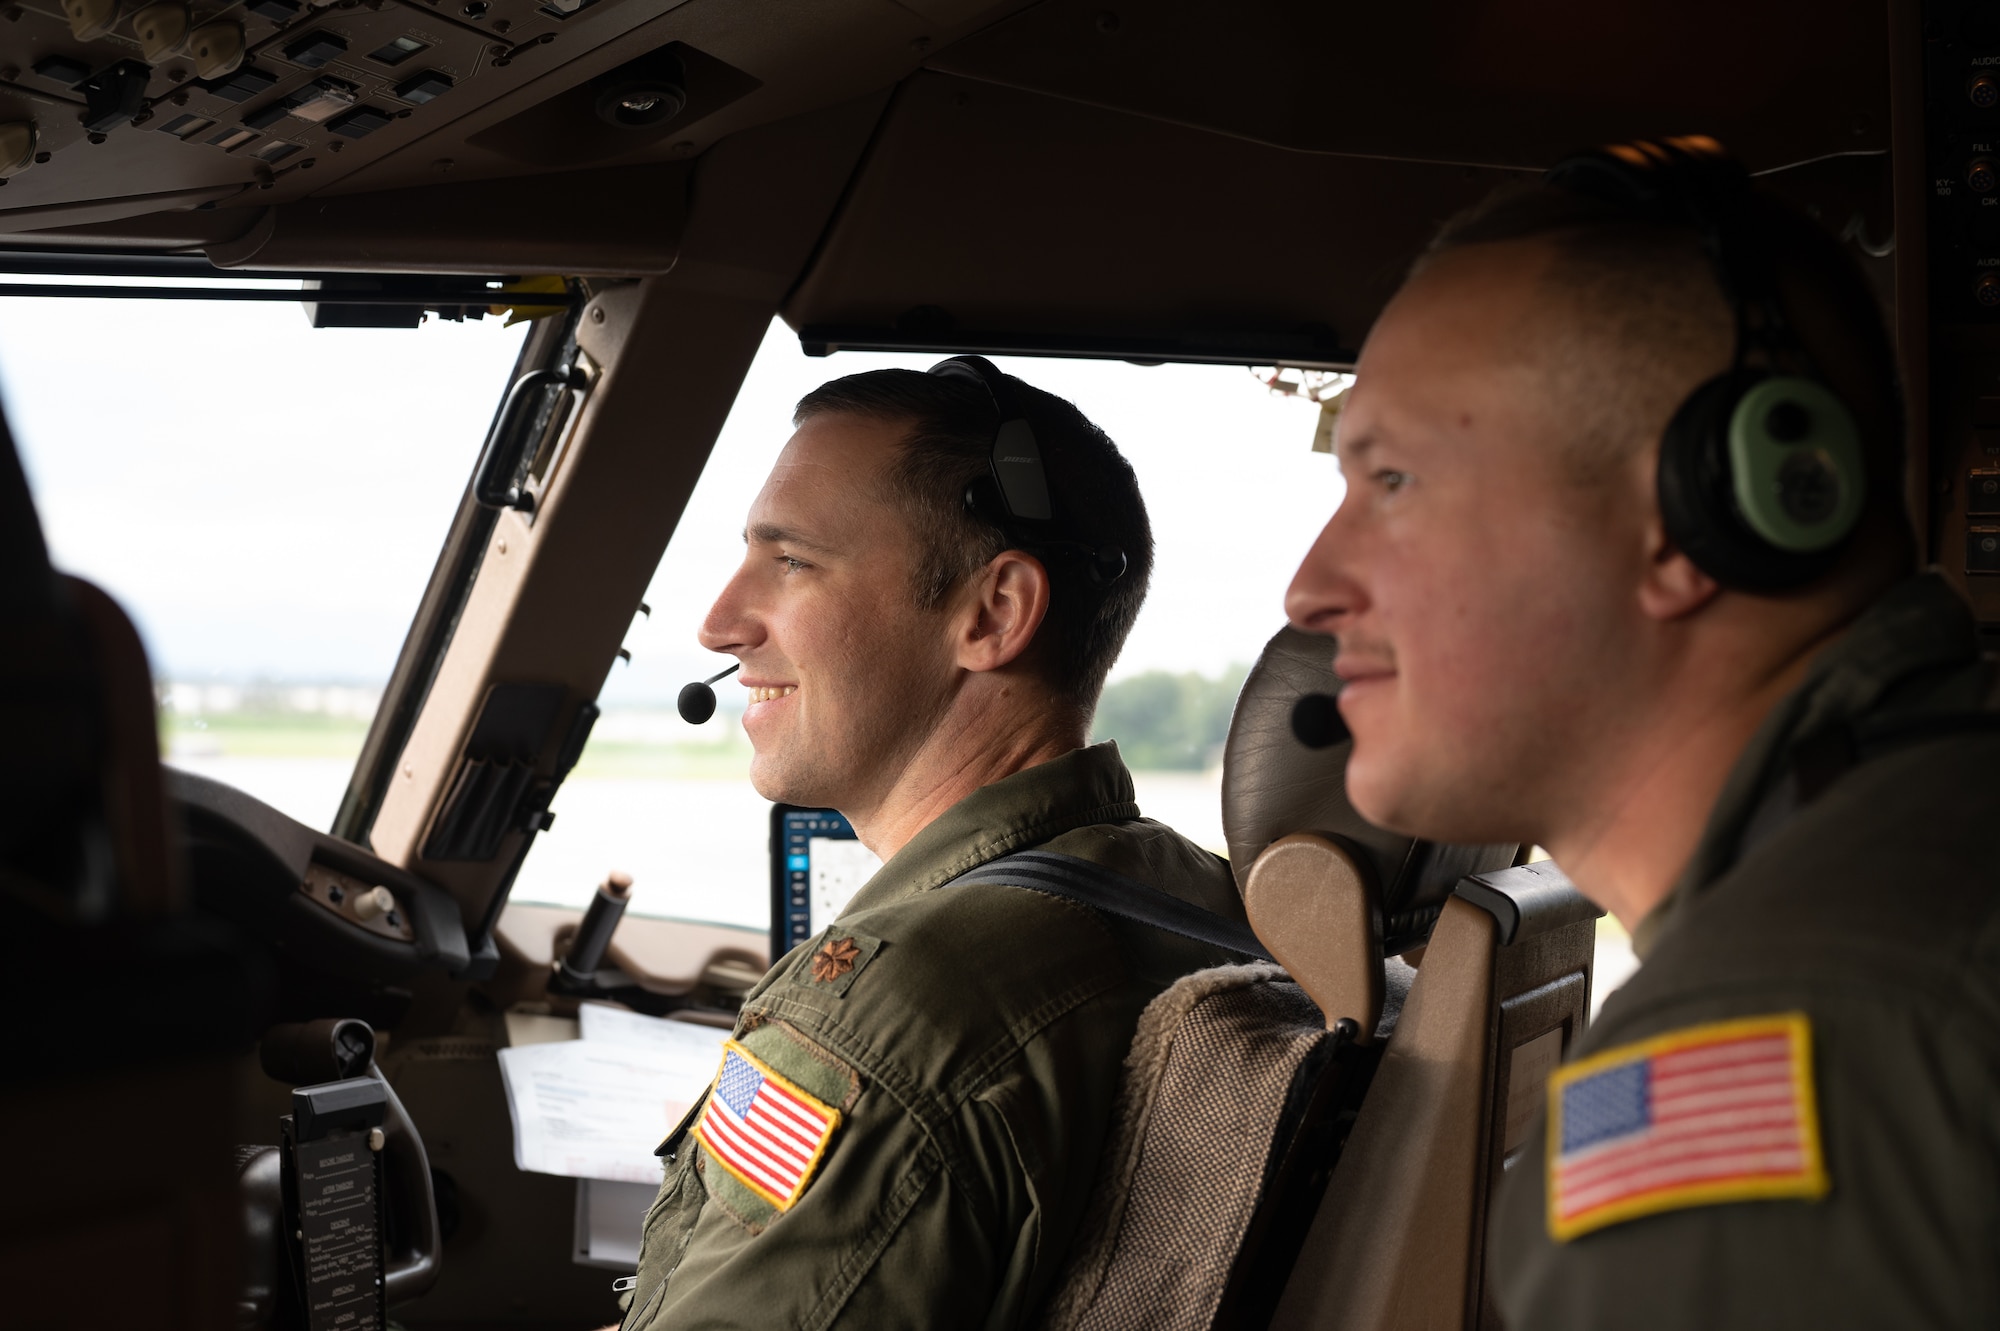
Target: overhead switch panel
<point>217,48</point>
<point>397,51</point>
<point>162,30</point>
<point>62,69</point>
<point>359,123</point>
<point>424,87</point>
<point>114,94</point>
<point>244,84</point>
<point>271,113</point>
<point>90,19</point>
<point>17,146</point>
<point>315,49</point>
<point>322,101</point>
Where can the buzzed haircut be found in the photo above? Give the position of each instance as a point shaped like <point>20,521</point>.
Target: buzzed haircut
<point>950,423</point>
<point>1652,321</point>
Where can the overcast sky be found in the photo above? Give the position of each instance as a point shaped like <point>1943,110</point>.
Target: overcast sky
<point>268,499</point>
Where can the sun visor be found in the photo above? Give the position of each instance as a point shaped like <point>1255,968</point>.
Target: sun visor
<point>624,221</point>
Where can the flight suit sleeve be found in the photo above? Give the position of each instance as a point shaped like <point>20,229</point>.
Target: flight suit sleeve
<point>1723,1226</point>
<point>901,1223</point>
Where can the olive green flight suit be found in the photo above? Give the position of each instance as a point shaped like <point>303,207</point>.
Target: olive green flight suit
<point>971,1039</point>
<point>1872,906</point>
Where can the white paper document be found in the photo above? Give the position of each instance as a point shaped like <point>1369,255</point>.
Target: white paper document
<point>598,1107</point>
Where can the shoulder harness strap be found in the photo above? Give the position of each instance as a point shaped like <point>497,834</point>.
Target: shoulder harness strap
<point>1111,893</point>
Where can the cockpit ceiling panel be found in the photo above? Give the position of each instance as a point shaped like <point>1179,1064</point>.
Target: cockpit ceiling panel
<point>1492,82</point>
<point>342,97</point>
<point>984,209</point>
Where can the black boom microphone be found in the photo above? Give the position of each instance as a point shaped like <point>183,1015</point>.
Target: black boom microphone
<point>697,701</point>
<point>1316,721</point>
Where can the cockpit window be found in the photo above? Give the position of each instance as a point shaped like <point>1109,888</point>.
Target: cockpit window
<point>1236,494</point>
<point>266,499</point>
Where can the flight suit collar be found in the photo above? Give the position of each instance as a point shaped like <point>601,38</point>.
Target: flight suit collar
<point>1918,625</point>
<point>1083,787</point>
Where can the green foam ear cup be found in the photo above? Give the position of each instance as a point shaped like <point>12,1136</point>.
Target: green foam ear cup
<point>1777,520</point>
<point>1795,460</point>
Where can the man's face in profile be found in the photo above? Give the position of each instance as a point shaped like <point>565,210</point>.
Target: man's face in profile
<point>1477,589</point>
<point>845,674</point>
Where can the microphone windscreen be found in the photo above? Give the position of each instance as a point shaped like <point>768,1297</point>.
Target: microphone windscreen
<point>696,703</point>
<point>1316,721</point>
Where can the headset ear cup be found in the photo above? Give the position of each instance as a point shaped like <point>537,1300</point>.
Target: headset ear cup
<point>1697,500</point>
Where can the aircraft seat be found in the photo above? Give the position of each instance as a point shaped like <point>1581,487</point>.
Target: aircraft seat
<point>118,1083</point>
<point>1313,1146</point>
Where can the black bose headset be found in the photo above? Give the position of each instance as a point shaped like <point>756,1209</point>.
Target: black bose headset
<point>1761,477</point>
<point>1014,495</point>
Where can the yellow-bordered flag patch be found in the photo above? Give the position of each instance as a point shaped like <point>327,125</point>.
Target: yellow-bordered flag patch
<point>765,1131</point>
<point>1722,1112</point>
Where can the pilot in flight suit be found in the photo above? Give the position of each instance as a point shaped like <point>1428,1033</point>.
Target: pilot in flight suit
<point>905,1127</point>
<point>1846,898</point>
<point>953,1042</point>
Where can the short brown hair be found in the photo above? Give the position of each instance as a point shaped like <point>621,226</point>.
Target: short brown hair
<point>1651,303</point>
<point>951,423</point>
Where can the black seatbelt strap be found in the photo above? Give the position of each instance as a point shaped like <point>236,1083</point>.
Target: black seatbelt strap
<point>1112,893</point>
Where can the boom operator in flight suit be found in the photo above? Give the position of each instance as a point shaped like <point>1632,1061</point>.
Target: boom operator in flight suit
<point>1624,568</point>
<point>906,1124</point>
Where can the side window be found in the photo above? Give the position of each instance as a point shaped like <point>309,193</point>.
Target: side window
<point>268,527</point>
<point>1236,494</point>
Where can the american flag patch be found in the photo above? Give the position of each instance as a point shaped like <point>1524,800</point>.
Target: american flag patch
<point>1717,1113</point>
<point>762,1129</point>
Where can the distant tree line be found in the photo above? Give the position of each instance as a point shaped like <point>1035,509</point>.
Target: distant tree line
<point>1168,721</point>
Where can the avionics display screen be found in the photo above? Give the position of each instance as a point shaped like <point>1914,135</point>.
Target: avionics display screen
<point>816,868</point>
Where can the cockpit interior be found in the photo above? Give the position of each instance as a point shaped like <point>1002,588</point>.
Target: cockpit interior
<point>658,189</point>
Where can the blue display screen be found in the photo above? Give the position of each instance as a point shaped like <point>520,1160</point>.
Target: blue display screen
<point>797,912</point>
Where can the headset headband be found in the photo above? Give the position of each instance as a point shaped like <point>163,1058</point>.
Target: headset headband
<point>1017,457</point>
<point>1016,497</point>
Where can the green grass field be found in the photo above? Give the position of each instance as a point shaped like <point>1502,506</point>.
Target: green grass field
<point>249,734</point>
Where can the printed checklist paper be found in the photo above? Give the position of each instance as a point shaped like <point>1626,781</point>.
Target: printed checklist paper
<point>597,1107</point>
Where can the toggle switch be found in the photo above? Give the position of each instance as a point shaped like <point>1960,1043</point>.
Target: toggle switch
<point>376,901</point>
<point>162,30</point>
<point>217,48</point>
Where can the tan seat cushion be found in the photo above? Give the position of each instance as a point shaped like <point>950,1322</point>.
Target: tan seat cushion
<point>1209,1099</point>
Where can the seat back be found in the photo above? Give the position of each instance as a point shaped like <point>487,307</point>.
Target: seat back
<point>134,1005</point>
<point>1248,1088</point>
<point>1399,1238</point>
<point>1220,1069</point>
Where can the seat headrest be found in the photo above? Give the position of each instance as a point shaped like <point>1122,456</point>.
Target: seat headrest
<point>82,817</point>
<point>1273,786</point>
<point>27,583</point>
